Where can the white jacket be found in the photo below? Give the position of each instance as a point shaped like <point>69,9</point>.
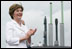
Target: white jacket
<point>13,34</point>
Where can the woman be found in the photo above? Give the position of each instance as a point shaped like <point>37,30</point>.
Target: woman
<point>16,32</point>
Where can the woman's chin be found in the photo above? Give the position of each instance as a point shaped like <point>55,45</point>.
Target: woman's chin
<point>19,17</point>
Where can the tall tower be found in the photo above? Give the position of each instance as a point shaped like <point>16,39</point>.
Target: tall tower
<point>50,27</point>
<point>56,25</point>
<point>45,32</point>
<point>62,26</point>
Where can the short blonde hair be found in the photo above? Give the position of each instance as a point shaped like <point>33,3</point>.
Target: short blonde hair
<point>13,8</point>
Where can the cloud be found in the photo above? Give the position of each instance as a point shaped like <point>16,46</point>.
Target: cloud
<point>33,16</point>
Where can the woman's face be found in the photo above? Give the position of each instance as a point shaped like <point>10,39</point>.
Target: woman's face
<point>18,13</point>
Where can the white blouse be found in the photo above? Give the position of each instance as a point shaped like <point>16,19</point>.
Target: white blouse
<point>13,34</point>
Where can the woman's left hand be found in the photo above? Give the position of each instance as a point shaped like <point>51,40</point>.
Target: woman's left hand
<point>33,31</point>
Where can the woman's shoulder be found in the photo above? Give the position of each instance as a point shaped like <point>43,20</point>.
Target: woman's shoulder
<point>9,23</point>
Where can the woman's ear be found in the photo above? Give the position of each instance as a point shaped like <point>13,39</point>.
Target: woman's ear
<point>23,22</point>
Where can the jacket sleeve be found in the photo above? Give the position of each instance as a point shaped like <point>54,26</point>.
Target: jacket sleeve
<point>10,39</point>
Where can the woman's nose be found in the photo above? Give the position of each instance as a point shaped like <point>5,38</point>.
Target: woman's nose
<point>20,12</point>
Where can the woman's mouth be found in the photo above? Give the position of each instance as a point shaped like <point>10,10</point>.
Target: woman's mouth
<point>19,15</point>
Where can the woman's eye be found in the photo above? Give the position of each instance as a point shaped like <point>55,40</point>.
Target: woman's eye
<point>21,10</point>
<point>17,10</point>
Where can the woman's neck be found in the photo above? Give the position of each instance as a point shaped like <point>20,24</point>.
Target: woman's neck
<point>18,21</point>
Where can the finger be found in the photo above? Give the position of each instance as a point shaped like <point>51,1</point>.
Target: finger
<point>35,29</point>
<point>30,29</point>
